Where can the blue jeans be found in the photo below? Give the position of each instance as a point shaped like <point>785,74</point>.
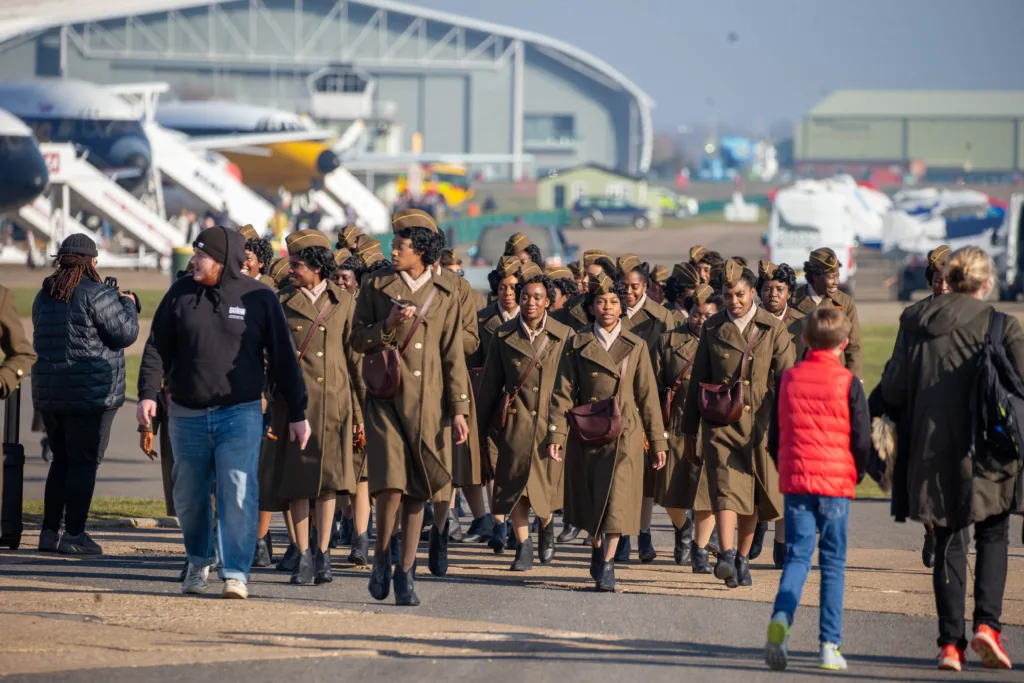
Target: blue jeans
<point>806,515</point>
<point>220,446</point>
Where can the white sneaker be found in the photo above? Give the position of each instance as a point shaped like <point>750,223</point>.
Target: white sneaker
<point>195,580</point>
<point>831,658</point>
<point>235,590</point>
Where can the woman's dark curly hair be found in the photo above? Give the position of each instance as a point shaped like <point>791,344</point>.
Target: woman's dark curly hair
<point>620,291</point>
<point>713,259</point>
<point>427,242</point>
<point>567,287</point>
<point>609,267</point>
<point>813,272</point>
<point>320,258</point>
<point>675,290</point>
<point>534,251</point>
<point>715,299</point>
<point>645,272</point>
<point>549,286</point>
<point>784,274</point>
<point>264,252</point>
<point>494,278</point>
<point>354,264</point>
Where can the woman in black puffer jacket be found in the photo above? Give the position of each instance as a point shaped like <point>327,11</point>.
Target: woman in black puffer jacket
<point>80,331</point>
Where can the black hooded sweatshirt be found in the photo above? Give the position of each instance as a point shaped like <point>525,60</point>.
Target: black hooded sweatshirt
<point>211,342</point>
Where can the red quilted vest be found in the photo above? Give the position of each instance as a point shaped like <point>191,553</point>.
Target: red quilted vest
<point>814,428</point>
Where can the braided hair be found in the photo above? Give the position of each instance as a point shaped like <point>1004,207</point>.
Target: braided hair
<point>70,270</point>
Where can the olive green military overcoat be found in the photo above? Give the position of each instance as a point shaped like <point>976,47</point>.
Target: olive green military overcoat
<point>604,485</point>
<point>406,449</point>
<point>466,466</point>
<point>523,468</point>
<point>741,475</point>
<point>574,313</point>
<point>802,302</point>
<point>335,393</point>
<point>488,320</point>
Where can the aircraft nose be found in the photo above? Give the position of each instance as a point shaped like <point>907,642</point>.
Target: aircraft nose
<point>327,162</point>
<point>23,177</point>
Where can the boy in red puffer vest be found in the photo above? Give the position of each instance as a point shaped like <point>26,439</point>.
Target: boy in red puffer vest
<point>820,439</point>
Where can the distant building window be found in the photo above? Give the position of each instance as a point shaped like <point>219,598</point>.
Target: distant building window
<point>550,128</point>
<point>579,188</point>
<point>617,190</point>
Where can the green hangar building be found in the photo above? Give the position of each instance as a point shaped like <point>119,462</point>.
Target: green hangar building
<point>938,135</point>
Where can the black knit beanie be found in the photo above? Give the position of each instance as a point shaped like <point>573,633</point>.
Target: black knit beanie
<point>214,243</point>
<point>79,245</point>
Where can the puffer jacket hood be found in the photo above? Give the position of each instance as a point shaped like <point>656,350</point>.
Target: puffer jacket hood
<point>938,316</point>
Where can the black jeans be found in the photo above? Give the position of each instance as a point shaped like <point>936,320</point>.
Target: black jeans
<point>949,578</point>
<point>78,443</point>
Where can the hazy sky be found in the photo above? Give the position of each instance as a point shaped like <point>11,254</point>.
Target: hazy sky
<point>788,53</point>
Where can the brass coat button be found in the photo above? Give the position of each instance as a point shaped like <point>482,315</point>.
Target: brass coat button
<point>687,377</point>
<point>533,413</point>
<point>319,354</point>
<point>323,329</point>
<point>416,373</point>
<point>417,346</point>
<point>298,328</point>
<point>746,382</point>
<point>725,355</point>
<point>593,374</point>
<point>746,408</point>
<point>535,390</point>
<point>319,380</point>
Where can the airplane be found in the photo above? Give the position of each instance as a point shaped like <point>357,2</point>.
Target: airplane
<point>23,174</point>
<point>103,127</point>
<point>272,148</point>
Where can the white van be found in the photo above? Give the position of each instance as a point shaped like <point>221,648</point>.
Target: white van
<point>807,216</point>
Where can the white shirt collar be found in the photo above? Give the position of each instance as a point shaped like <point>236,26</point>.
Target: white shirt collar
<point>636,309</point>
<point>814,295</point>
<point>506,316</point>
<point>743,321</point>
<point>314,293</point>
<point>417,284</point>
<point>606,339</point>
<point>780,316</point>
<point>533,334</point>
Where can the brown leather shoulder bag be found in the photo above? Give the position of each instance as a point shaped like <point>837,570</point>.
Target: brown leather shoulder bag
<point>505,401</point>
<point>382,371</point>
<point>723,403</point>
<point>670,395</point>
<point>600,423</point>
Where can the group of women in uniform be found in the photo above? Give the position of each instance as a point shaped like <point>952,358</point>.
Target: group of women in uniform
<point>597,389</point>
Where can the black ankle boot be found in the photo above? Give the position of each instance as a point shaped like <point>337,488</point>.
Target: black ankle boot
<point>360,554</point>
<point>596,562</point>
<point>524,557</point>
<point>290,560</point>
<point>380,576</point>
<point>779,554</point>
<point>322,567</point>
<point>346,531</point>
<point>699,559</point>
<point>606,580</point>
<point>405,594</point>
<point>303,573</point>
<point>454,527</point>
<point>480,530</point>
<point>714,545</point>
<point>928,549</point>
<point>437,554</point>
<point>546,543</point>
<point>725,568</point>
<point>645,547</point>
<point>396,542</point>
<point>743,571</point>
<point>512,543</point>
<point>622,550</point>
<point>569,533</point>
<point>683,538</point>
<point>758,545</point>
<point>498,538</point>
<point>262,556</point>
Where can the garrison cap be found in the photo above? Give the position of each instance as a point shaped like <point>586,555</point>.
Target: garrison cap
<point>825,258</point>
<point>249,232</point>
<point>412,218</point>
<point>517,243</point>
<point>297,241</point>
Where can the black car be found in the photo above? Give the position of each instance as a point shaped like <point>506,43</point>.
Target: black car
<point>594,212</point>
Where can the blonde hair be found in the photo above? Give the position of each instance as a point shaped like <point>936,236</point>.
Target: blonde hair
<point>826,328</point>
<point>968,269</point>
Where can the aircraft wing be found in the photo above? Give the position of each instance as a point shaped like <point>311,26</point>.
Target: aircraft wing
<point>243,141</point>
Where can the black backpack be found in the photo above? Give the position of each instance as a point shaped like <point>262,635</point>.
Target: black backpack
<point>997,402</point>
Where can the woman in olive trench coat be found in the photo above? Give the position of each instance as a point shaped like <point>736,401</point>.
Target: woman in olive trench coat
<point>742,480</point>
<point>408,458</point>
<point>928,381</point>
<point>648,320</point>
<point>683,484</point>
<point>604,485</point>
<point>523,474</point>
<point>332,373</point>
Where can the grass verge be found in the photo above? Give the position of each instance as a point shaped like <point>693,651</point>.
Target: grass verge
<point>104,508</point>
<point>149,298</point>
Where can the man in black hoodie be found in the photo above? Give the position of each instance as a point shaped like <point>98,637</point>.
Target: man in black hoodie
<point>215,333</point>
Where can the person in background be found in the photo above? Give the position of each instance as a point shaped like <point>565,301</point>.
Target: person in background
<point>696,254</point>
<point>741,477</point>
<point>218,334</point>
<point>820,437</point>
<point>682,484</point>
<point>948,484</point>
<point>520,246</point>
<point>258,255</point>
<point>348,237</point>
<point>604,484</point>
<point>19,356</point>
<point>348,272</point>
<point>578,273</point>
<point>522,364</point>
<point>575,313</point>
<point>278,272</point>
<point>408,460</point>
<point>565,286</point>
<point>319,314</point>
<point>659,276</point>
<point>775,286</point>
<point>682,283</point>
<point>80,331</point>
<point>709,262</point>
<point>822,289</point>
<point>490,205</point>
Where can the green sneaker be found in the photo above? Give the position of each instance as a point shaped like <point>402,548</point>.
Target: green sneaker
<point>831,658</point>
<point>776,656</point>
